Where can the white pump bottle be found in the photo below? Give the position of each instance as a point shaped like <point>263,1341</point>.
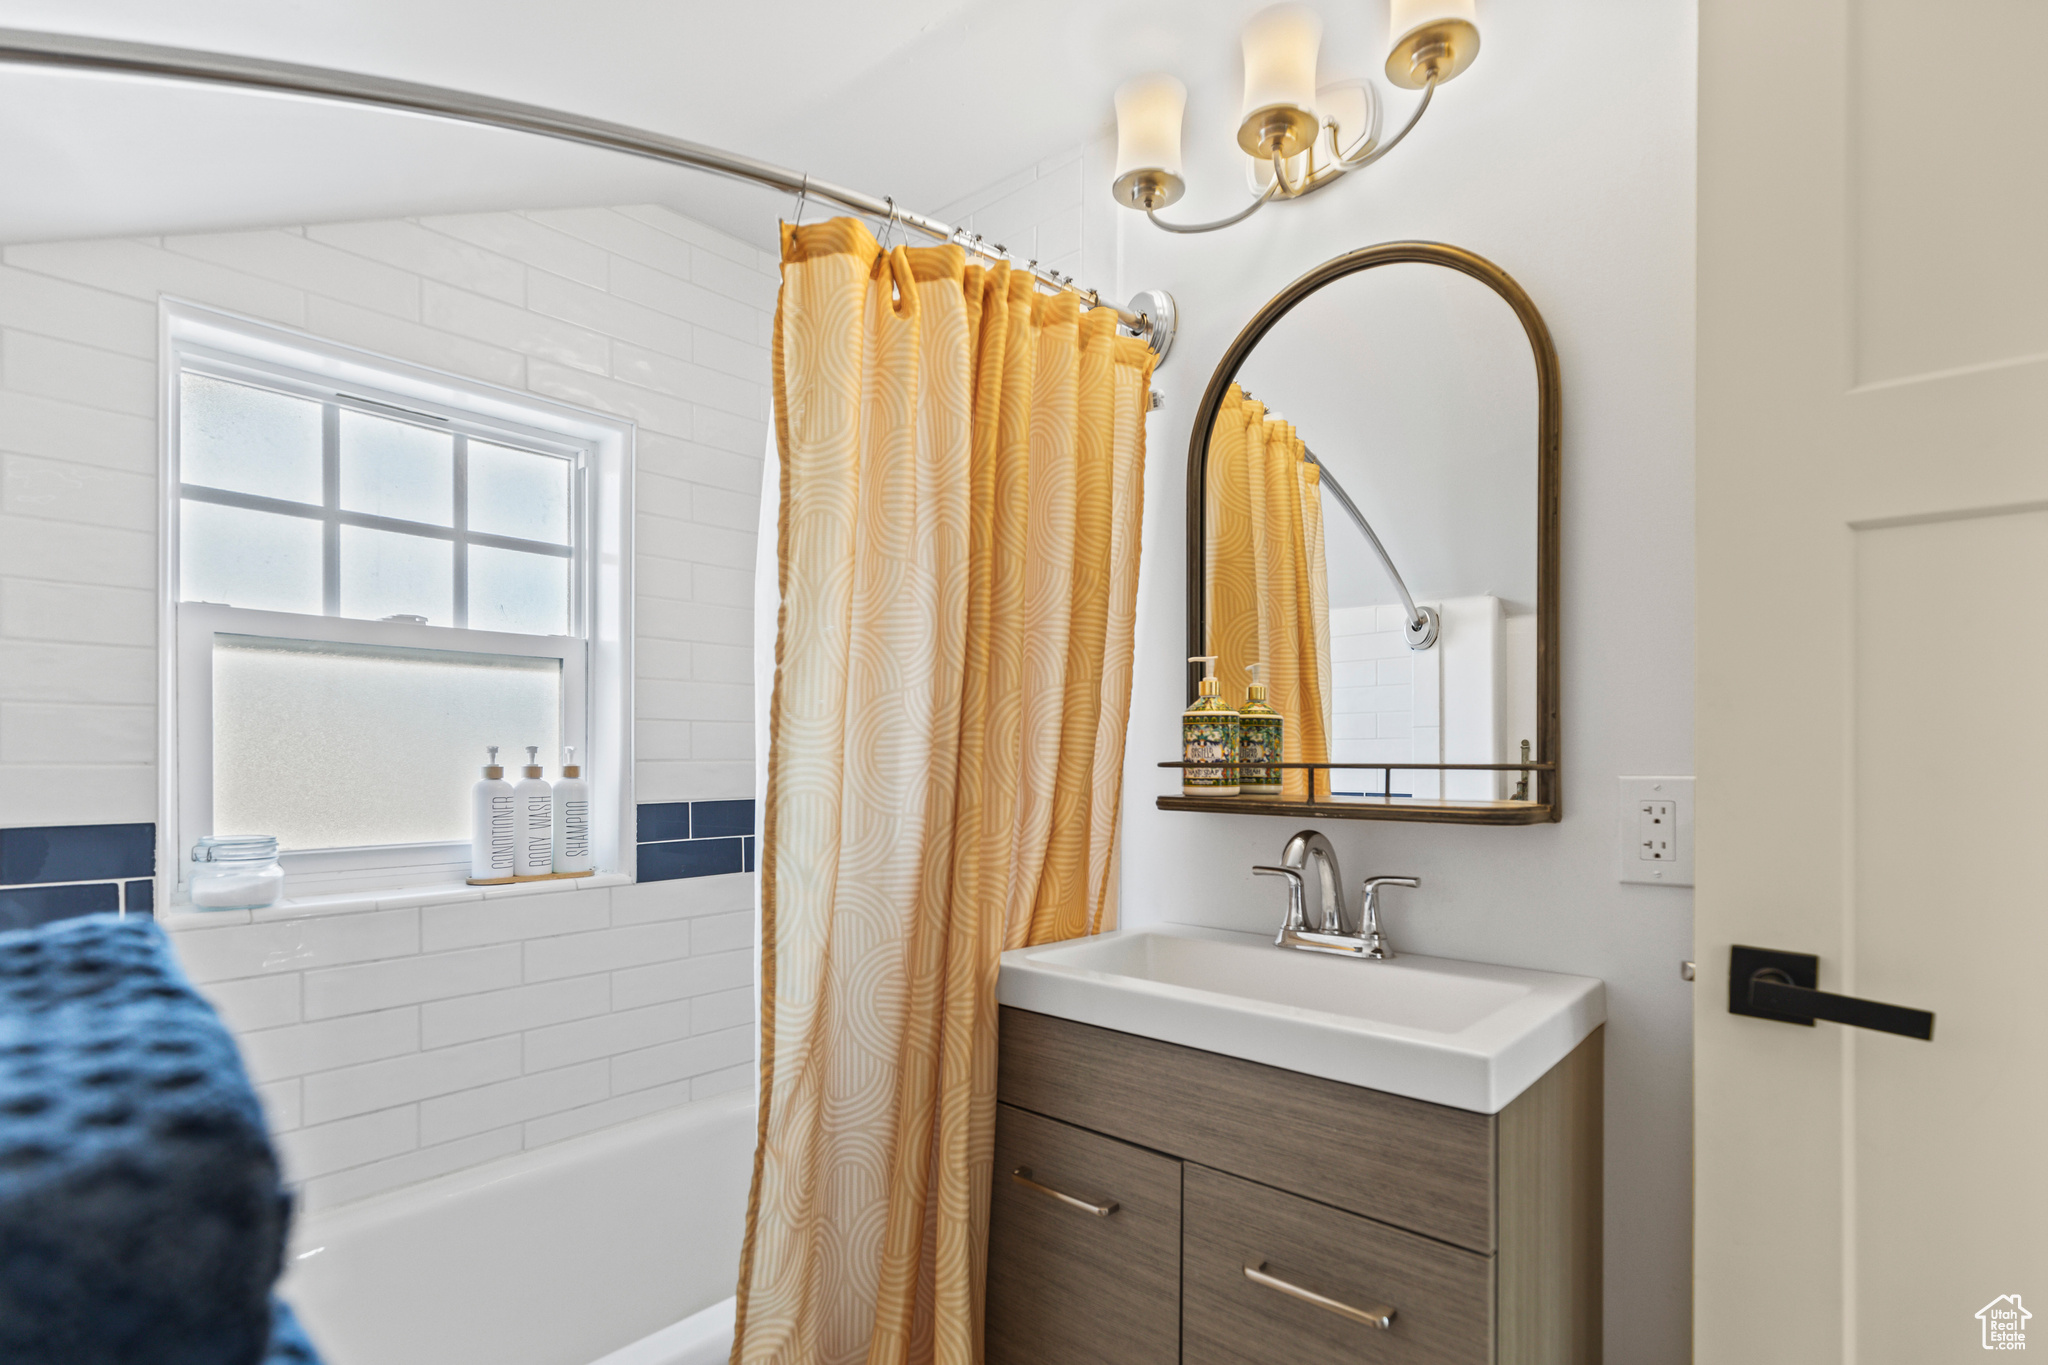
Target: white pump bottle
<point>572,817</point>
<point>492,854</point>
<point>533,819</point>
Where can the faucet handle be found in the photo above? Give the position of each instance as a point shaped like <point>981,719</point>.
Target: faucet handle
<point>1376,945</point>
<point>1297,898</point>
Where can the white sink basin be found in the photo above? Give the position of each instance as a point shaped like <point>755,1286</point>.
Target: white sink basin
<point>1465,1034</point>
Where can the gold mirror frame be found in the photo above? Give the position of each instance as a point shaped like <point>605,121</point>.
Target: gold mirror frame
<point>1544,766</point>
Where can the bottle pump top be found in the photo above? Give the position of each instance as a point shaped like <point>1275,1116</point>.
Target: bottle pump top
<point>491,769</point>
<point>1208,687</point>
<point>1257,690</point>
<point>533,760</point>
<point>569,768</point>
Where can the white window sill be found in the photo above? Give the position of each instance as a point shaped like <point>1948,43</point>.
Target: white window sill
<point>183,915</point>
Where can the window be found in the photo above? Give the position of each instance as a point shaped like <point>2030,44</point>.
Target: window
<point>378,572</point>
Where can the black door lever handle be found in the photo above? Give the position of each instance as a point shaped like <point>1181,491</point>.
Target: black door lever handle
<point>1766,984</point>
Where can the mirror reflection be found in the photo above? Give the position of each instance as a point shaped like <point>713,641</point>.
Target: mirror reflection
<point>1371,516</point>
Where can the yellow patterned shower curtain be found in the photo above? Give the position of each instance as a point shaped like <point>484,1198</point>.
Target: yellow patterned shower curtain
<point>1268,590</point>
<point>962,463</point>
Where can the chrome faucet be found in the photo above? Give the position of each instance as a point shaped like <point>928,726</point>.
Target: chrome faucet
<point>1330,934</point>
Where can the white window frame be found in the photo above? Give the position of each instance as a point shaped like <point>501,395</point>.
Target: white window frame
<point>596,658</point>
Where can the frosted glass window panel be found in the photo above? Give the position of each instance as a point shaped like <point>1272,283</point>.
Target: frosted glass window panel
<point>386,573</point>
<point>395,469</point>
<point>339,746</point>
<point>258,560</point>
<point>511,590</point>
<point>518,493</point>
<point>248,440</point>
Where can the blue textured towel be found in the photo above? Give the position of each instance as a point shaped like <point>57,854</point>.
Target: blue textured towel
<point>142,1221</point>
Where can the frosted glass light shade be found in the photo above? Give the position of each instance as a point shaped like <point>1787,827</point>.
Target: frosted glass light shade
<point>1432,39</point>
<point>1280,47</point>
<point>1148,118</point>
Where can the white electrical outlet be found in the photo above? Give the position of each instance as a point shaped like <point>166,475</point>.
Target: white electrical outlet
<point>1656,830</point>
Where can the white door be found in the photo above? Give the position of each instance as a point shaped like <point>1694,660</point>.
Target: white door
<point>1873,674</point>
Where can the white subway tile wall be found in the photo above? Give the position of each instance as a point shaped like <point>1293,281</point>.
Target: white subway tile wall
<point>636,311</point>
<point>1038,214</point>
<point>1383,703</point>
<point>392,1045</point>
<point>395,1043</point>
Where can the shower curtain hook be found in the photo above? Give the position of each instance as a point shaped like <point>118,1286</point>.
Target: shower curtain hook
<point>803,192</point>
<point>889,228</point>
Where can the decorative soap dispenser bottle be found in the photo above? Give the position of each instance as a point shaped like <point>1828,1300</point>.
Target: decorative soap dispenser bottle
<point>493,856</point>
<point>1259,733</point>
<point>572,817</point>
<point>533,818</point>
<point>1208,734</point>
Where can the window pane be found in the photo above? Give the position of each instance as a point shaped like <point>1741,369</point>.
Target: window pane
<point>248,559</point>
<point>509,590</point>
<point>518,493</point>
<point>337,746</point>
<point>387,573</point>
<point>392,469</point>
<point>248,440</point>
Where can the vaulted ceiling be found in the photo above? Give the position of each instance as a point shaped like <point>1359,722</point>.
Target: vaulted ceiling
<point>925,100</point>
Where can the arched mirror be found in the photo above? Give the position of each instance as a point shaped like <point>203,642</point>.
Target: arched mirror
<point>1373,532</point>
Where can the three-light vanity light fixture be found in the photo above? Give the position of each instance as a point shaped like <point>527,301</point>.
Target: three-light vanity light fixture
<point>1299,137</point>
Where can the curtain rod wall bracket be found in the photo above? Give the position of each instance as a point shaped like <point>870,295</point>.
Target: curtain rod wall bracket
<point>1157,308</point>
<point>113,56</point>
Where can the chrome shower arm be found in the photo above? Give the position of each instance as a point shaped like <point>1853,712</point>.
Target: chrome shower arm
<point>1423,622</point>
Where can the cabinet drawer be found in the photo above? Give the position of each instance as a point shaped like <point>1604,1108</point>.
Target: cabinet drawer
<point>1069,1287</point>
<point>1442,1297</point>
<point>1406,1162</point>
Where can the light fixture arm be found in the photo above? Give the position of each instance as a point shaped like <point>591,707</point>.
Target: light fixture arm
<point>1237,217</point>
<point>1358,157</point>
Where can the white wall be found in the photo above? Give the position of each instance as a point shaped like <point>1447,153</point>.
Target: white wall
<point>404,1037</point>
<point>1566,156</point>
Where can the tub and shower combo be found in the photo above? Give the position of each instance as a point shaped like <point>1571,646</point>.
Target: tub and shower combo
<point>619,1248</point>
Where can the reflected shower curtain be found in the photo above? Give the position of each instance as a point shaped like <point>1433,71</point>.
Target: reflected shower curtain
<point>1268,590</point>
<point>962,460</point>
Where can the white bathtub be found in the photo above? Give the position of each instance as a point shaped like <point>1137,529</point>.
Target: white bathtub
<point>620,1248</point>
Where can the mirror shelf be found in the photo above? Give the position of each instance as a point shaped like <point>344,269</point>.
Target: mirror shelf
<point>1512,811</point>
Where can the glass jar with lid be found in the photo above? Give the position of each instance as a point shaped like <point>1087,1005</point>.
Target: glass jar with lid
<point>235,872</point>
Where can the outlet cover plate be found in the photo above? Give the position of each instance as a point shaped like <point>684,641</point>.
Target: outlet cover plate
<point>1639,853</point>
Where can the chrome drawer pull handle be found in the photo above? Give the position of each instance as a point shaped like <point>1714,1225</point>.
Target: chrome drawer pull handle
<point>1022,1175</point>
<point>1382,1318</point>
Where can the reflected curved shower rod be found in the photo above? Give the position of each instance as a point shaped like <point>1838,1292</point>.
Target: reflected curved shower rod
<point>1151,315</point>
<point>1423,624</point>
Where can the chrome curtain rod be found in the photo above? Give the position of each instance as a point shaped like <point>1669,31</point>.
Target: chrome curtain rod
<point>24,47</point>
<point>1422,622</point>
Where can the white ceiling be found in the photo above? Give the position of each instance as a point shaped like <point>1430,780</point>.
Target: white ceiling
<point>926,100</point>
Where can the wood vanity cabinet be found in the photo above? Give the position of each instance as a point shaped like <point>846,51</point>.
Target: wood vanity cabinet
<point>1480,1232</point>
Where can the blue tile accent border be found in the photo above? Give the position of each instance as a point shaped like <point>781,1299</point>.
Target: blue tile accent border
<point>719,819</point>
<point>53,872</point>
<point>664,820</point>
<point>694,839</point>
<point>24,907</point>
<point>76,853</point>
<point>689,858</point>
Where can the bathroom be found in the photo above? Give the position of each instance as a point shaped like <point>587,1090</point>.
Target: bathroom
<point>522,1120</point>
